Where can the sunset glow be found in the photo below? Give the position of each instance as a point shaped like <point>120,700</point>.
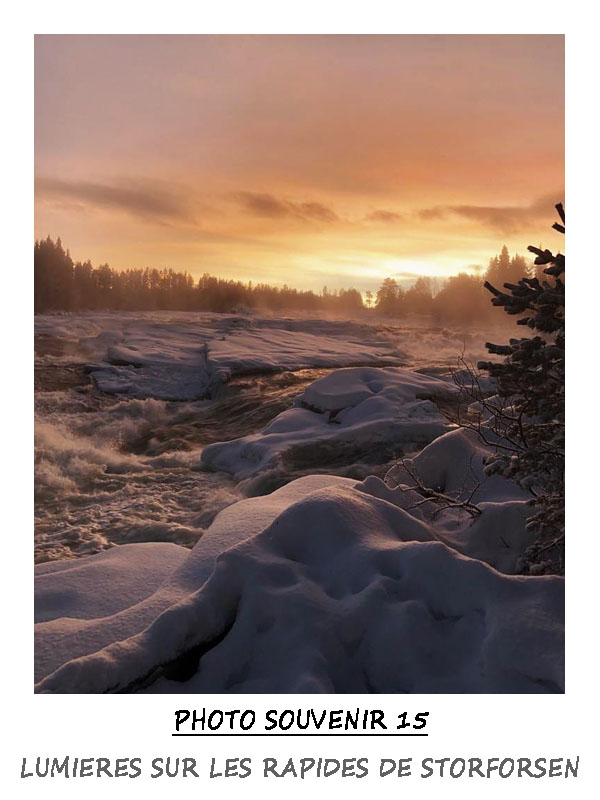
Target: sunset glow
<point>307,160</point>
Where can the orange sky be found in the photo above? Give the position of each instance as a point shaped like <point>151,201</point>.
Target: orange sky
<point>310,160</point>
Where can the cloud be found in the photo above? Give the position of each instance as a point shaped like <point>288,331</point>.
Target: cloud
<point>381,215</point>
<point>262,205</point>
<point>149,200</point>
<point>267,205</point>
<point>504,219</point>
<point>408,276</point>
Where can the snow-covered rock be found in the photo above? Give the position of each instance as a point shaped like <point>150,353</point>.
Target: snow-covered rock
<point>167,361</point>
<point>454,464</point>
<point>351,409</point>
<point>264,350</point>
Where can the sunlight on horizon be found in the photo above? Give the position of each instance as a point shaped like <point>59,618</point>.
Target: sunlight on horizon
<point>331,168</point>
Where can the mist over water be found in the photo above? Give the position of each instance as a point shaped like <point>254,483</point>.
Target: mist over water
<point>113,469</point>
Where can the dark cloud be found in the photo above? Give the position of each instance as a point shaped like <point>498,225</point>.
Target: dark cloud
<point>381,215</point>
<point>316,211</point>
<point>436,212</point>
<point>263,205</point>
<point>148,200</point>
<point>504,219</point>
<point>267,205</point>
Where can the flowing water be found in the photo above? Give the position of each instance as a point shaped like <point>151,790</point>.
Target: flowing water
<point>113,470</point>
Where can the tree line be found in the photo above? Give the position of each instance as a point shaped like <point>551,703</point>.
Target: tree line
<point>460,298</point>
<point>61,284</point>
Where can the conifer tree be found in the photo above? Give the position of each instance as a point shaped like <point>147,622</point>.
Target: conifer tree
<point>530,383</point>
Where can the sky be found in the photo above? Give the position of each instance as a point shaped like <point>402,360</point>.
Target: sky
<point>306,160</point>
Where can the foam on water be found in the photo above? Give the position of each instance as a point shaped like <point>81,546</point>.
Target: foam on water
<point>91,492</point>
<point>90,496</point>
<point>112,470</point>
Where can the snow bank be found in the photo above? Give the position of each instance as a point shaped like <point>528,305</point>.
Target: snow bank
<point>349,410</point>
<point>330,589</point>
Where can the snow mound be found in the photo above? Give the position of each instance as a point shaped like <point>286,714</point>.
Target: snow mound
<point>453,464</point>
<point>348,388</point>
<point>333,589</point>
<point>355,410</point>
